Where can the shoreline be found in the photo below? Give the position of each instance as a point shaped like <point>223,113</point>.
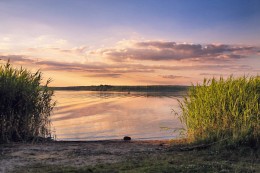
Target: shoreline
<point>114,140</point>
<point>13,156</point>
<point>119,155</point>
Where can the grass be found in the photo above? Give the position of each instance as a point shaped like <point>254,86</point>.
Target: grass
<point>25,105</point>
<point>209,160</point>
<point>224,110</point>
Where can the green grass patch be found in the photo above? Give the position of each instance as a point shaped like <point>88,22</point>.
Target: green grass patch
<point>210,160</point>
<point>226,110</point>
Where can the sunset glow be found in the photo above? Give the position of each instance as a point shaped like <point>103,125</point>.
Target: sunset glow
<point>143,42</point>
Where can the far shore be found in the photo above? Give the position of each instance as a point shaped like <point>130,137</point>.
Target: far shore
<point>125,88</point>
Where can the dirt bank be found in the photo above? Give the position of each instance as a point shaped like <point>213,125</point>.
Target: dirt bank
<point>74,153</point>
<point>121,156</point>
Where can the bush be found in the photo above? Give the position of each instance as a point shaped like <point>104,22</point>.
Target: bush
<point>25,105</point>
<point>223,110</point>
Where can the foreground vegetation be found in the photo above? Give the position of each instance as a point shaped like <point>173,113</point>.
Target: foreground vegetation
<point>216,112</point>
<point>224,111</point>
<point>244,160</point>
<point>25,105</point>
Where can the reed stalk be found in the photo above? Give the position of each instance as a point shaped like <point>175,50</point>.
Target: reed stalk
<point>223,110</point>
<point>25,105</point>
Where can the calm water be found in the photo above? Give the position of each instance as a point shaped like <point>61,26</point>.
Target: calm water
<point>86,115</point>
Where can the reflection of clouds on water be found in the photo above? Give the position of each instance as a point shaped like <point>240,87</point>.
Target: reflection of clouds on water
<point>70,112</point>
<point>83,115</point>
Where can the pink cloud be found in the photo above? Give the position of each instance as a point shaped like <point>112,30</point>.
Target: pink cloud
<point>158,51</point>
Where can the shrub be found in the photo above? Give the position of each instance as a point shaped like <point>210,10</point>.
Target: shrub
<point>223,110</point>
<point>25,105</point>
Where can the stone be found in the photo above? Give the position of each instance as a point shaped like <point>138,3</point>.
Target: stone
<point>127,138</point>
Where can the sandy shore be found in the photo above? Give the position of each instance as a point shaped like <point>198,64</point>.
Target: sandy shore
<point>77,154</point>
<point>121,156</point>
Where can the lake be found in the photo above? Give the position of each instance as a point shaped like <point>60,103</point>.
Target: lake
<point>89,115</point>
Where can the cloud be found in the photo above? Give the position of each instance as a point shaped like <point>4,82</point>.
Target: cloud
<point>16,58</point>
<point>91,67</point>
<point>94,67</point>
<point>159,50</point>
<point>126,70</point>
<point>118,68</point>
<point>156,44</point>
<point>172,76</point>
<point>76,50</point>
<point>241,68</point>
<point>66,66</point>
<point>102,75</point>
<point>81,50</point>
<point>211,74</point>
<point>161,62</point>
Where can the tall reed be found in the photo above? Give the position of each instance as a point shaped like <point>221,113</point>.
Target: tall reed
<point>223,110</point>
<point>25,105</point>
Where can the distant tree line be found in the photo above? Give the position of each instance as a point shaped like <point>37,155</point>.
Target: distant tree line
<point>148,88</point>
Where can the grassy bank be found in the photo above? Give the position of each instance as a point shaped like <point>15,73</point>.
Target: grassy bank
<point>155,159</point>
<point>226,111</point>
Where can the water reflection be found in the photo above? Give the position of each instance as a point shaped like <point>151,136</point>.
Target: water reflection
<point>84,115</point>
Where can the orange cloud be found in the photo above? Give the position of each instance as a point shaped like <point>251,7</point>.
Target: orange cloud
<point>132,62</point>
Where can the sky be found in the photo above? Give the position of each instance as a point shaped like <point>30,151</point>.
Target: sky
<point>131,42</point>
